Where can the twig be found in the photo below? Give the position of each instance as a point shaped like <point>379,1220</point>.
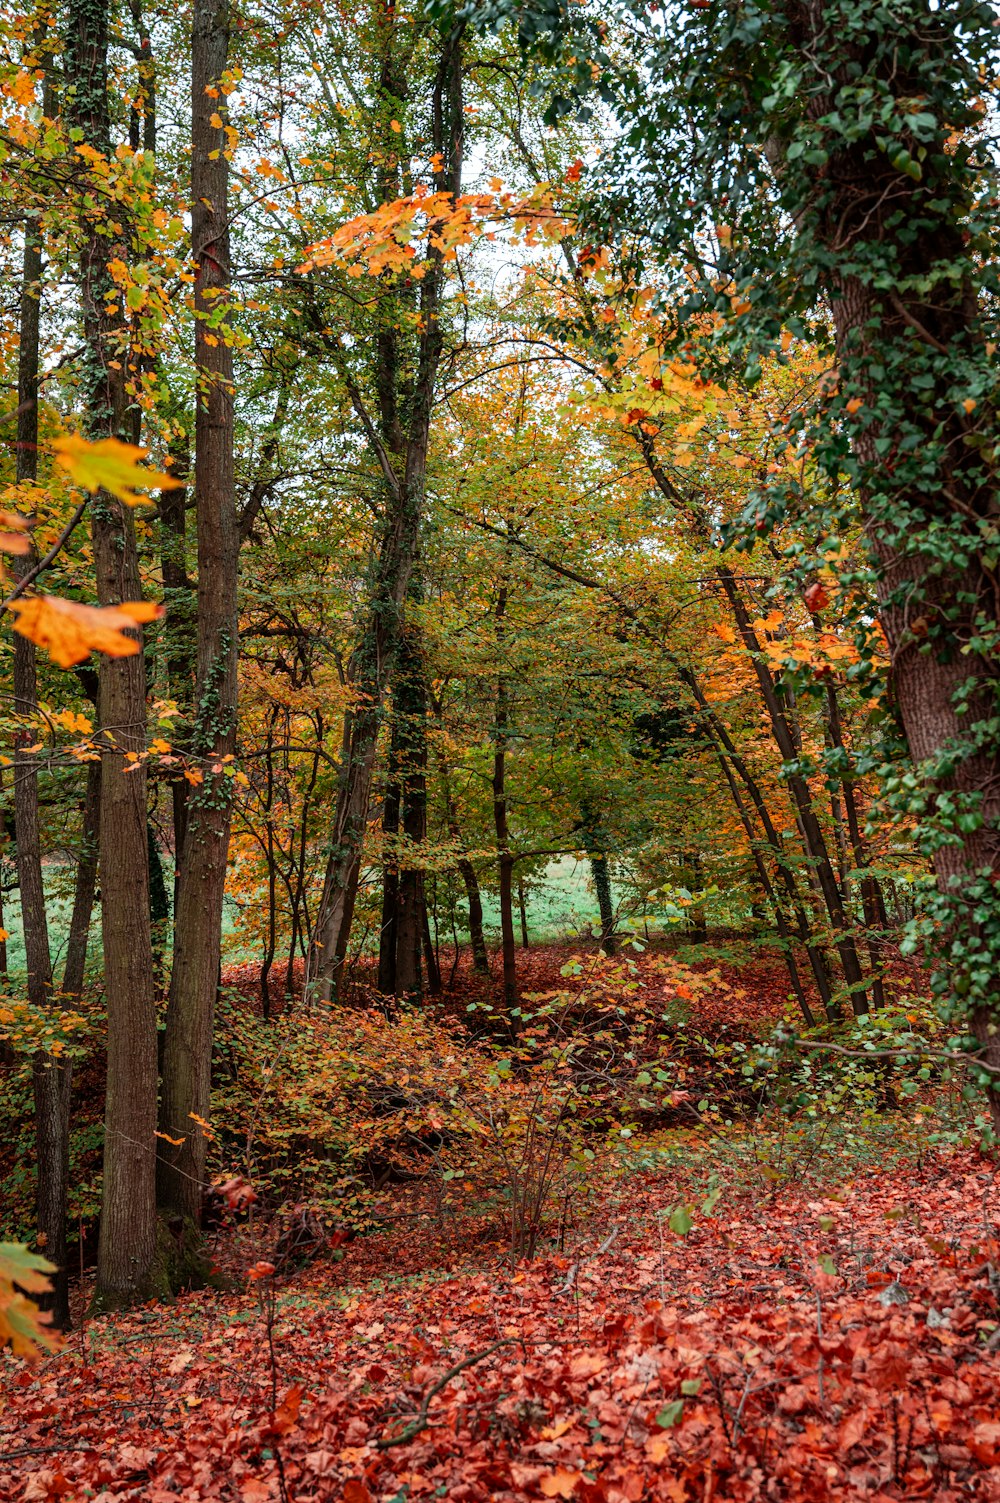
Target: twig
<point>609,1239</point>
<point>54,551</point>
<point>570,1279</point>
<point>420,1421</point>
<point>45,1451</point>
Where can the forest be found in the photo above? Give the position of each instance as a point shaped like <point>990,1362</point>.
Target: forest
<point>499,751</point>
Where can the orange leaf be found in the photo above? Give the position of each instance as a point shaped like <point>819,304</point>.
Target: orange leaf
<point>70,632</point>
<point>286,1416</point>
<point>356,1492</point>
<point>559,1484</point>
<point>12,539</point>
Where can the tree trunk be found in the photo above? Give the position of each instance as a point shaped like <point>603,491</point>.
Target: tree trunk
<point>430,949</point>
<point>187,1060</point>
<point>523,911</point>
<point>505,858</point>
<point>594,846</point>
<point>127,1254</point>
<point>50,1077</point>
<point>402,457</point>
<point>410,708</point>
<point>85,886</point>
<point>390,876</point>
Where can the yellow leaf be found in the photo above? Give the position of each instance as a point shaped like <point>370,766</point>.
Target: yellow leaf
<point>168,1139</point>
<point>70,632</point>
<point>395,125</point>
<point>109,465</point>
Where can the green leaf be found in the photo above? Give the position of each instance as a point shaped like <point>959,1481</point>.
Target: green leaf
<point>669,1416</point>
<point>680,1221</point>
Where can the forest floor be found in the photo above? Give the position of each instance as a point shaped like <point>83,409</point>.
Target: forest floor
<point>830,1337</point>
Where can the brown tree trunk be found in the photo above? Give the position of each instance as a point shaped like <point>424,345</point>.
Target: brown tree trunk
<point>187,1059</point>
<point>85,886</point>
<point>127,1255</point>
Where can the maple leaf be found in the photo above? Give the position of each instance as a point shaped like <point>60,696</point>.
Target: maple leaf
<point>816,597</point>
<point>110,465</point>
<point>70,632</point>
<point>559,1484</point>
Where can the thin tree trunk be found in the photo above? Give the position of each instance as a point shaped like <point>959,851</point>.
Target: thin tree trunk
<point>430,952</point>
<point>871,898</point>
<point>187,1060</point>
<point>523,910</point>
<point>505,858</point>
<point>390,875</point>
<point>594,846</point>
<point>410,706</point>
<point>86,885</point>
<point>403,459</point>
<point>466,870</point>
<point>50,1076</point>
<point>781,923</point>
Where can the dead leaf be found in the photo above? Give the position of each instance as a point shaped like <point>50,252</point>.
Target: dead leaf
<point>559,1484</point>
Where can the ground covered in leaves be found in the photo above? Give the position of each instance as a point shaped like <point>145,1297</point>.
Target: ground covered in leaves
<point>801,1344</point>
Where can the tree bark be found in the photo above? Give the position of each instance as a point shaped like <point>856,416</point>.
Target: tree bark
<point>127,1255</point>
<point>187,1060</point>
<point>85,886</point>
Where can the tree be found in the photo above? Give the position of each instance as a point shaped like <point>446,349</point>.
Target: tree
<point>203,855</point>
<point>403,379</point>
<point>127,1261</point>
